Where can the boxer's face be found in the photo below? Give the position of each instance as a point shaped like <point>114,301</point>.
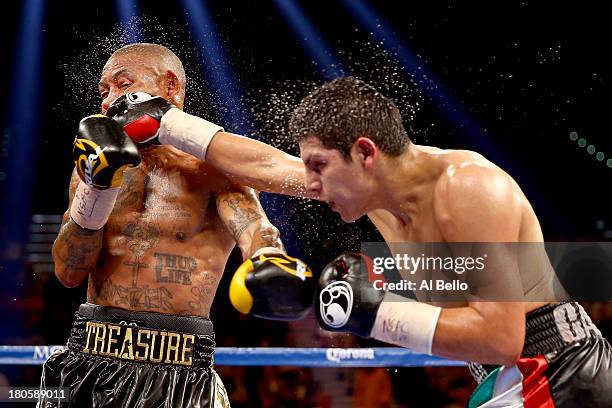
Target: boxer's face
<point>129,73</point>
<point>336,181</point>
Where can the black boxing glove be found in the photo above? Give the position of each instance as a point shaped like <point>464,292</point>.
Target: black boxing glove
<point>347,301</point>
<point>273,286</point>
<point>140,115</point>
<point>153,120</point>
<point>101,153</point>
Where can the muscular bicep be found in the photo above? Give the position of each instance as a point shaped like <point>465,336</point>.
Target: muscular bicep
<point>245,219</point>
<point>481,221</point>
<point>479,214</point>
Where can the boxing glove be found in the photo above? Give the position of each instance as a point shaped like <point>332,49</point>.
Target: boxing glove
<point>153,120</point>
<point>349,302</point>
<point>273,286</point>
<point>140,115</point>
<point>101,153</point>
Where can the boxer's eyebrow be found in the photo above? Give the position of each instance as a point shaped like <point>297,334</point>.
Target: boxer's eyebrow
<point>120,72</point>
<point>311,158</point>
<point>114,76</point>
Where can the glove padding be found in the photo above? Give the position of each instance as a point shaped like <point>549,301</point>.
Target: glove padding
<point>347,300</point>
<point>102,152</point>
<point>140,114</point>
<point>274,286</point>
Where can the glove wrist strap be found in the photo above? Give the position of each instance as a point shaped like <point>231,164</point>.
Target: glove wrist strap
<point>267,250</point>
<point>91,207</point>
<point>187,133</point>
<point>406,323</point>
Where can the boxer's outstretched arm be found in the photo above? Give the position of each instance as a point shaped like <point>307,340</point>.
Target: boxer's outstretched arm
<point>75,250</point>
<point>244,160</point>
<point>242,214</point>
<point>258,165</point>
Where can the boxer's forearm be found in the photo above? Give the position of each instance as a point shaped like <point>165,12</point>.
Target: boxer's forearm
<point>467,334</point>
<point>75,253</point>
<point>244,160</point>
<point>257,165</point>
<point>265,236</point>
<point>262,235</point>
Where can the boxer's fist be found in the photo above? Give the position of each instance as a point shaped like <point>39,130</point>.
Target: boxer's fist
<point>102,152</point>
<point>346,299</point>
<point>139,114</point>
<point>273,286</point>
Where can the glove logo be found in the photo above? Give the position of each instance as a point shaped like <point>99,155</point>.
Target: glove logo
<point>91,161</point>
<point>301,270</point>
<point>138,97</point>
<point>336,303</point>
<point>285,263</point>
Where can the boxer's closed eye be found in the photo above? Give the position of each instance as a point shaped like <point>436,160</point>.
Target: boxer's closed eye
<point>317,166</point>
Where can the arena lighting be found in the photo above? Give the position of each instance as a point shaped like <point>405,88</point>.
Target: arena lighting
<point>128,13</point>
<point>20,162</point>
<point>234,114</point>
<point>310,39</point>
<point>217,68</point>
<point>428,82</point>
<point>590,149</point>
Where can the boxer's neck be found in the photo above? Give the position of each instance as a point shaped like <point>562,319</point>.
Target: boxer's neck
<point>407,181</point>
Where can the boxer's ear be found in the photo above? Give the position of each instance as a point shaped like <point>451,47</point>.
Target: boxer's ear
<point>173,88</point>
<point>366,151</point>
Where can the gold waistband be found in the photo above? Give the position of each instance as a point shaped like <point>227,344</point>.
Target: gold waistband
<point>136,343</point>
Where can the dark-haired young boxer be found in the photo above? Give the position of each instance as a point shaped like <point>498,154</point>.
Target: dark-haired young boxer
<point>150,228</point>
<point>358,158</point>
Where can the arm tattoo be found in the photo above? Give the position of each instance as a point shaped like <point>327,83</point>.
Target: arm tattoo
<point>244,214</point>
<point>78,248</point>
<point>247,214</point>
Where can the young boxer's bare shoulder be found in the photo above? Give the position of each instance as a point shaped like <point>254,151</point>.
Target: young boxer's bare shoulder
<point>472,185</point>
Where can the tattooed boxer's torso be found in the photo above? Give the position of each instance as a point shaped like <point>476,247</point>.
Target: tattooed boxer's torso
<point>164,247</point>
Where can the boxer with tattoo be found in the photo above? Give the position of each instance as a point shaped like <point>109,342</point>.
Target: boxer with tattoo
<point>150,228</point>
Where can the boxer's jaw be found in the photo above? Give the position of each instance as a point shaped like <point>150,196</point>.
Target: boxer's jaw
<point>337,181</point>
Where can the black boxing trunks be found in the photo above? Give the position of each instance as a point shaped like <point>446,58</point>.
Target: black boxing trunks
<point>120,358</point>
<point>565,363</point>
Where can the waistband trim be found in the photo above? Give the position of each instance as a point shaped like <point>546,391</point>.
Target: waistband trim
<point>553,327</point>
<point>142,337</point>
<point>187,324</point>
<point>549,329</point>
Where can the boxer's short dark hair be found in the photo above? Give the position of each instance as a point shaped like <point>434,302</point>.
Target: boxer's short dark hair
<point>341,111</point>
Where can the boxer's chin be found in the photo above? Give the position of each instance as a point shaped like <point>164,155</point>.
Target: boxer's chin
<point>347,214</point>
